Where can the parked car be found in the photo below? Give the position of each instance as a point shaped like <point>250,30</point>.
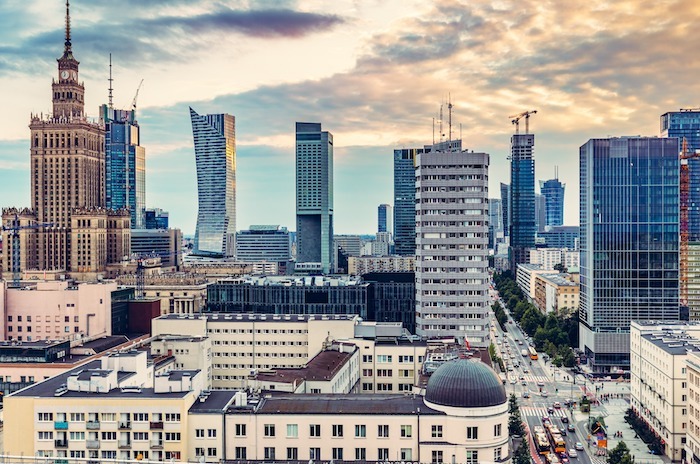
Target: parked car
<point>578,446</point>
<point>573,453</point>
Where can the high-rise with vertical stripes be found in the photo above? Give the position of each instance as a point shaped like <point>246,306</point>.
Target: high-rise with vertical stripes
<point>314,205</point>
<point>215,154</point>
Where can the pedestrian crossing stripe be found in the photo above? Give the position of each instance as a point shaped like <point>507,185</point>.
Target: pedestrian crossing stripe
<point>541,412</point>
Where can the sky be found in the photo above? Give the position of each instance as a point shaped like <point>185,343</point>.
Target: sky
<point>373,72</point>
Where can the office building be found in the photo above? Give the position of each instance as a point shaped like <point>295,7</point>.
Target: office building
<point>505,208</point>
<point>393,297</point>
<point>663,363</point>
<point>155,218</point>
<point>345,247</point>
<point>314,206</point>
<point>495,222</point>
<point>522,198</point>
<point>540,212</point>
<point>215,153</point>
<point>553,192</point>
<point>125,161</point>
<point>382,245</point>
<point>451,246</point>
<point>560,237</point>
<point>264,243</point>
<point>385,219</point>
<point>165,243</point>
<point>686,124</point>
<point>405,201</point>
<point>629,242</point>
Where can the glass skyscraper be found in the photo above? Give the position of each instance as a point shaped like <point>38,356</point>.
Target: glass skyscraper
<point>125,163</point>
<point>505,208</point>
<point>405,201</point>
<point>522,198</point>
<point>629,220</point>
<point>553,192</point>
<point>215,154</point>
<point>314,183</point>
<point>385,219</point>
<point>679,124</point>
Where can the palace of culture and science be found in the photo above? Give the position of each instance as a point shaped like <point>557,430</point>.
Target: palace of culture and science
<point>68,228</point>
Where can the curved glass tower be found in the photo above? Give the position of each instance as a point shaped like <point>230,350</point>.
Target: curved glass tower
<point>215,153</point>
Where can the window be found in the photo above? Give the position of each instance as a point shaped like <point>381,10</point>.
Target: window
<point>109,436</point>
<point>77,436</point>
<point>361,431</point>
<point>472,457</point>
<point>140,436</point>
<point>240,430</point>
<point>269,430</point>
<point>360,454</point>
<point>314,430</point>
<point>472,433</point>
<point>384,358</point>
<point>497,430</point>
<point>199,433</point>
<point>45,435</point>
<point>314,453</point>
<point>497,454</point>
<point>406,454</point>
<point>172,436</point>
<point>338,453</point>
<point>292,454</point>
<point>212,452</point>
<point>437,457</point>
<point>383,431</point>
<point>338,430</point>
<point>406,431</point>
<point>269,452</point>
<point>366,358</point>
<point>436,431</point>
<point>211,433</point>
<point>45,416</point>
<point>77,417</point>
<point>199,452</point>
<point>241,452</point>
<point>292,431</point>
<point>172,417</point>
<point>77,453</point>
<point>140,417</point>
<point>383,454</point>
<point>108,417</point>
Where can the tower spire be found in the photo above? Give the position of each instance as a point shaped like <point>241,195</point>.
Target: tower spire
<point>110,81</point>
<point>67,43</point>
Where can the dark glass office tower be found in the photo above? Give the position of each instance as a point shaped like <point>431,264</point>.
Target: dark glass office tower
<point>629,220</point>
<point>505,208</point>
<point>405,201</point>
<point>215,153</point>
<point>553,192</point>
<point>522,198</point>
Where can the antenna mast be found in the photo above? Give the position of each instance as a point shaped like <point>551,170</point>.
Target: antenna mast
<point>67,44</point>
<point>110,82</point>
<point>449,117</point>
<point>442,134</point>
<point>433,131</point>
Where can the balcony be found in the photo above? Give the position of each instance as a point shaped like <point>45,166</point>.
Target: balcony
<point>61,443</point>
<point>124,425</point>
<point>92,444</point>
<point>92,425</point>
<point>156,444</point>
<point>157,425</point>
<point>60,425</point>
<point>124,444</point>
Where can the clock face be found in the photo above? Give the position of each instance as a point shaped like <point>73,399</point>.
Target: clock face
<point>75,75</point>
<point>64,74</point>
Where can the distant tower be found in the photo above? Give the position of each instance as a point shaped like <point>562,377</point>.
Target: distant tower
<point>405,201</point>
<point>125,159</point>
<point>215,153</point>
<point>505,208</point>
<point>385,219</point>
<point>553,192</point>
<point>522,195</point>
<point>314,205</point>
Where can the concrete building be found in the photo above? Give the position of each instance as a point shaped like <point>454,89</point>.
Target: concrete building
<point>215,154</point>
<point>629,242</point>
<point>385,219</point>
<point>361,265</point>
<point>270,243</point>
<point>314,194</point>
<point>165,243</point>
<point>692,437</point>
<point>383,244</point>
<point>556,293</point>
<point>661,354</point>
<point>56,310</point>
<point>526,275</point>
<point>546,258</point>
<point>451,245</point>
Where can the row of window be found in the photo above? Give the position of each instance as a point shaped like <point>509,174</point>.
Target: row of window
<point>241,452</point>
<point>108,417</point>
<point>48,318</point>
<point>368,358</point>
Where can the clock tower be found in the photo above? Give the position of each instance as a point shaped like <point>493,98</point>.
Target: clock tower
<point>68,92</point>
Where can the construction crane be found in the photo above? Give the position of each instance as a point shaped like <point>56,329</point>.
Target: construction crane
<point>140,269</point>
<point>515,119</point>
<point>685,155</point>
<point>14,227</point>
<point>133,102</point>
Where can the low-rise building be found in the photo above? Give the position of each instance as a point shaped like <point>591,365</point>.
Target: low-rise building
<point>556,293</point>
<point>525,278</point>
<point>360,265</point>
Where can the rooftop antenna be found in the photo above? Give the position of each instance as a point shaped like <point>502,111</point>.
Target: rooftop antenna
<point>449,117</point>
<point>442,134</point>
<point>67,43</point>
<point>110,82</point>
<point>433,131</point>
<point>460,131</point>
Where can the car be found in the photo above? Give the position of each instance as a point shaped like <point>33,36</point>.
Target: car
<point>526,370</point>
<point>526,394</point>
<point>512,380</point>
<point>562,431</point>
<point>563,457</point>
<point>557,405</point>
<point>571,428</point>
<point>523,383</point>
<point>520,342</point>
<point>578,446</point>
<point>550,409</point>
<point>573,453</point>
<point>565,420</point>
<point>545,419</point>
<point>510,368</point>
<point>522,377</point>
<point>544,393</point>
<point>540,383</point>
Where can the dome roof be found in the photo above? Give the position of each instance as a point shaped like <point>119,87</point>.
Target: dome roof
<point>465,383</point>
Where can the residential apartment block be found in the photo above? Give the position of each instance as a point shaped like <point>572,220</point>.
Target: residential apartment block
<point>359,265</point>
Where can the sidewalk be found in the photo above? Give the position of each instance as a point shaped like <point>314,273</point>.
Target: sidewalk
<point>613,412</point>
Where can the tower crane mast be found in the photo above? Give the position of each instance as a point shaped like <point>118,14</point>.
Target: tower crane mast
<point>685,155</point>
<point>515,119</point>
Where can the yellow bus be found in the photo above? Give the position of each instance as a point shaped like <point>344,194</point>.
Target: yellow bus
<point>533,353</point>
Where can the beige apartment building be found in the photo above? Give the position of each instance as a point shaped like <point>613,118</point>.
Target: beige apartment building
<point>526,275</point>
<point>556,293</point>
<point>56,310</point>
<point>660,356</point>
<point>360,265</point>
<point>692,438</point>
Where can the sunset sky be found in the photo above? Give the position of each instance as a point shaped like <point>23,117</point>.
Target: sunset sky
<point>372,72</point>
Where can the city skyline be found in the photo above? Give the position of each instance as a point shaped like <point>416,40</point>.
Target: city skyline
<point>468,51</point>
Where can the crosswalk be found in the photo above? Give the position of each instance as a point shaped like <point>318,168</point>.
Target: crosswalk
<point>531,378</point>
<point>540,411</point>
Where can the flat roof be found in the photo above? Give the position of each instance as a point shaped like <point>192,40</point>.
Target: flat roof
<point>673,343</point>
<point>41,344</point>
<point>321,367</point>
<point>230,317</point>
<point>351,404</point>
<point>217,401</point>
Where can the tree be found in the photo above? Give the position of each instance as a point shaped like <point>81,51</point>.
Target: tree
<point>522,454</point>
<point>560,267</point>
<point>620,454</point>
<point>515,422</point>
<point>513,404</point>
